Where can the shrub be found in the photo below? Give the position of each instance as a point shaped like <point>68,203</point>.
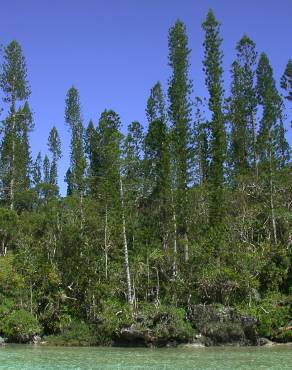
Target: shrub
<point>19,326</point>
<point>273,312</point>
<point>76,334</point>
<point>114,316</point>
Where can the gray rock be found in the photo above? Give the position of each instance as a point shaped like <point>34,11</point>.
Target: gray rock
<point>265,342</point>
<point>223,325</point>
<point>192,345</point>
<point>36,339</point>
<point>2,341</point>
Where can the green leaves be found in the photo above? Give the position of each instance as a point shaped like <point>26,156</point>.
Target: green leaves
<point>77,156</point>
<point>13,79</point>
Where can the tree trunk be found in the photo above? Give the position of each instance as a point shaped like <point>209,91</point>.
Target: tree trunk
<point>254,139</point>
<point>174,267</point>
<point>186,247</point>
<point>81,210</point>
<point>272,197</point>
<point>31,298</point>
<point>106,243</point>
<point>126,256</point>
<point>12,163</point>
<point>157,285</point>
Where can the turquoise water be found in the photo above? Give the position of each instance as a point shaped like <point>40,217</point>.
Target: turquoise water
<point>16,357</point>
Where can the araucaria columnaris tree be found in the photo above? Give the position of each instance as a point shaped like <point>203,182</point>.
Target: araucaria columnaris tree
<point>179,90</point>
<point>201,143</point>
<point>272,146</point>
<point>54,145</point>
<point>286,81</point>
<point>214,82</point>
<point>242,113</point>
<point>13,82</point>
<point>157,168</point>
<point>77,156</point>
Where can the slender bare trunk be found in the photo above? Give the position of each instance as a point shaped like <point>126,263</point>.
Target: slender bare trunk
<point>174,267</point>
<point>186,247</point>
<point>106,243</point>
<point>254,139</point>
<point>126,255</point>
<point>81,209</point>
<point>272,197</point>
<point>148,277</point>
<point>157,285</point>
<point>12,174</point>
<point>31,298</point>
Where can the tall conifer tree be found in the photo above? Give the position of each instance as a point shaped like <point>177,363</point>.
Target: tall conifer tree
<point>77,156</point>
<point>13,81</point>
<point>272,146</point>
<point>214,82</point>
<point>54,145</point>
<point>286,81</point>
<point>179,90</point>
<point>243,108</point>
<point>157,165</point>
<point>201,142</point>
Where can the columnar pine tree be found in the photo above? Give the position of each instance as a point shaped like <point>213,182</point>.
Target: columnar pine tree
<point>13,81</point>
<point>109,188</point>
<point>90,150</point>
<point>157,167</point>
<point>179,90</point>
<point>46,170</point>
<point>272,146</point>
<point>132,188</point>
<point>213,71</point>
<point>37,173</point>
<point>133,168</point>
<point>243,109</point>
<point>24,124</point>
<point>54,145</point>
<point>22,157</point>
<point>201,143</point>
<point>68,180</point>
<point>77,157</point>
<point>286,81</point>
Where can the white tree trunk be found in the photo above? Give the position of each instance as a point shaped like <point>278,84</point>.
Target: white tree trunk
<point>106,242</point>
<point>186,247</point>
<point>12,156</point>
<point>174,267</point>
<point>272,198</point>
<point>126,255</point>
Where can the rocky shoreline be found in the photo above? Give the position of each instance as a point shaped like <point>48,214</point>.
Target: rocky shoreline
<point>202,326</point>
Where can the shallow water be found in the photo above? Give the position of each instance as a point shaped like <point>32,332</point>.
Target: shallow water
<point>16,357</point>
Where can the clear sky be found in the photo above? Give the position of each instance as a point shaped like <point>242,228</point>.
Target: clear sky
<point>114,51</point>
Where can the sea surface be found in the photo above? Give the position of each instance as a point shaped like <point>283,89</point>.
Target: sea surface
<point>25,357</point>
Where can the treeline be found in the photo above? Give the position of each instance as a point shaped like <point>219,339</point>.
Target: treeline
<point>194,206</point>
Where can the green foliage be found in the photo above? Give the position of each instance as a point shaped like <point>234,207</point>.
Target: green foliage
<point>113,317</point>
<point>162,216</point>
<point>14,150</point>
<point>179,111</point>
<point>19,326</point>
<point>273,313</point>
<point>11,283</point>
<point>169,322</point>
<point>242,108</point>
<point>77,156</point>
<point>286,80</point>
<point>76,334</point>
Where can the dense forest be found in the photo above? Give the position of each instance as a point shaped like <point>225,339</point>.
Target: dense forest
<point>192,207</point>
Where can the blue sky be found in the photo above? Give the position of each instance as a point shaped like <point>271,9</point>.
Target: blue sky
<point>114,51</point>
